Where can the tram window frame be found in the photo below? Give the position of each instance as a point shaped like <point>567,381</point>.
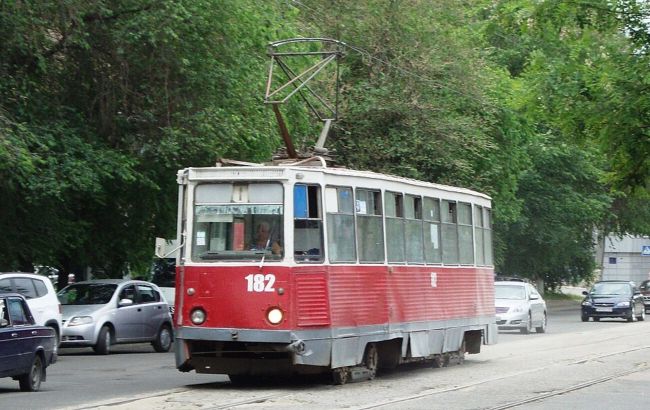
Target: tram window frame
<point>369,225</point>
<point>449,217</point>
<point>340,226</point>
<point>395,227</point>
<point>465,233</point>
<point>308,216</point>
<point>433,229</point>
<point>478,236</point>
<point>413,229</point>
<point>487,236</point>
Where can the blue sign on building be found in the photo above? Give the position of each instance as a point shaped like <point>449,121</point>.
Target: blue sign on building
<point>645,250</point>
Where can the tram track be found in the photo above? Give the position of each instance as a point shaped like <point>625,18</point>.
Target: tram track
<point>644,366</point>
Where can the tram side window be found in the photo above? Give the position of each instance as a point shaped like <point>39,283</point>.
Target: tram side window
<point>465,237</point>
<point>394,205</point>
<point>339,205</point>
<point>487,236</point>
<point>369,225</point>
<point>431,215</point>
<point>414,240</point>
<point>308,223</point>
<point>449,216</point>
<point>478,235</point>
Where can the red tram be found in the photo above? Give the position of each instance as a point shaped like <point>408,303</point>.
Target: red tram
<point>302,268</point>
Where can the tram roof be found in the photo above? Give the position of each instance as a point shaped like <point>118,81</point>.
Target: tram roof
<point>280,171</point>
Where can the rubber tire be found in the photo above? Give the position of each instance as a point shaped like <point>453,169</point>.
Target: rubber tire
<point>103,345</point>
<point>641,317</point>
<point>584,318</point>
<point>529,326</point>
<point>31,381</point>
<point>163,341</point>
<point>542,328</point>
<point>371,359</point>
<point>632,316</point>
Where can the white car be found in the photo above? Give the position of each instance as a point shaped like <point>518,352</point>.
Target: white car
<point>519,306</point>
<point>40,295</point>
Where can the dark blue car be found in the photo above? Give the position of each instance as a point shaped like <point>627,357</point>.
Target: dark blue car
<point>25,349</point>
<point>615,299</point>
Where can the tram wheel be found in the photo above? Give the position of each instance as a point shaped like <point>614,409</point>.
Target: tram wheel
<point>371,360</point>
<point>340,375</point>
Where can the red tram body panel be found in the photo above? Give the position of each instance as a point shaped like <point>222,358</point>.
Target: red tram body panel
<point>314,305</point>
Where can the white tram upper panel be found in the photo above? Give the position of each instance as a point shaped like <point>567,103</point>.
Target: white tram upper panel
<point>333,176</point>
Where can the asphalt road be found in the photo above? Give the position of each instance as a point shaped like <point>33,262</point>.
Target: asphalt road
<point>518,368</point>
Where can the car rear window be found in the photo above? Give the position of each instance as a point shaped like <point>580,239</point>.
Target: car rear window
<point>25,287</point>
<point>41,289</point>
<point>5,285</point>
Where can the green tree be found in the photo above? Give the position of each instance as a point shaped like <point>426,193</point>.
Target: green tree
<point>101,103</point>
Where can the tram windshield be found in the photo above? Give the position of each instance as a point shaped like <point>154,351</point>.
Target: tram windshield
<point>247,228</point>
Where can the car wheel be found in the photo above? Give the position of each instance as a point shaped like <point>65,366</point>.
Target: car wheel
<point>103,345</point>
<point>596,319</point>
<point>529,325</point>
<point>642,316</point>
<point>31,381</point>
<point>57,337</point>
<point>632,315</point>
<point>584,318</point>
<point>163,341</point>
<point>542,328</point>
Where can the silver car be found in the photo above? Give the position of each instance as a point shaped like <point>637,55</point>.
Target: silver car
<point>100,313</point>
<point>519,306</point>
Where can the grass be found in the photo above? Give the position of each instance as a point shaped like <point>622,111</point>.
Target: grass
<point>561,296</point>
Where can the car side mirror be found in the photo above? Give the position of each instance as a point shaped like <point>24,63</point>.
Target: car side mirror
<point>584,292</point>
<point>125,302</point>
<point>534,297</point>
<point>4,322</point>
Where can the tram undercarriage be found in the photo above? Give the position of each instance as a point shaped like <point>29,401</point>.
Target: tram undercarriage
<point>243,361</point>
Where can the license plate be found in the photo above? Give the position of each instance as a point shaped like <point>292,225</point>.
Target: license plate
<point>604,309</point>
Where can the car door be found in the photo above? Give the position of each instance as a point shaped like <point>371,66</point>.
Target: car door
<point>18,345</point>
<point>129,318</point>
<point>154,309</point>
<point>536,306</point>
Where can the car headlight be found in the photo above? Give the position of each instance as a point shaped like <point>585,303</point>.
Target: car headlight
<point>623,304</point>
<point>80,320</point>
<point>586,303</point>
<point>274,316</point>
<point>197,316</point>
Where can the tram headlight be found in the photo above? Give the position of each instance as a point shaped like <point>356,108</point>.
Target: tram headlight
<point>274,316</point>
<point>197,316</point>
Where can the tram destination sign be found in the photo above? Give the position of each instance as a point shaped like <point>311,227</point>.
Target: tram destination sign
<point>645,250</point>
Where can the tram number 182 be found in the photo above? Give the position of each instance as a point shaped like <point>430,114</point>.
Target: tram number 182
<point>260,283</point>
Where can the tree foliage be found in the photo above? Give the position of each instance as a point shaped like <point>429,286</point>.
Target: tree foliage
<point>541,104</point>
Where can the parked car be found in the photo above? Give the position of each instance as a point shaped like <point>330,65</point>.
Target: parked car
<point>26,349</point>
<point>40,295</point>
<point>101,313</point>
<point>644,288</point>
<point>613,298</point>
<point>519,306</point>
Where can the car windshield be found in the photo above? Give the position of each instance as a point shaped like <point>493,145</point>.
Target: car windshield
<point>509,292</point>
<point>611,289</point>
<point>87,294</point>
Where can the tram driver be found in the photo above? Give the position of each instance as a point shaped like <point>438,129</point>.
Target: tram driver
<point>263,240</point>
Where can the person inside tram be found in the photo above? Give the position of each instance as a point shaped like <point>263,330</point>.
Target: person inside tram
<point>263,240</point>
